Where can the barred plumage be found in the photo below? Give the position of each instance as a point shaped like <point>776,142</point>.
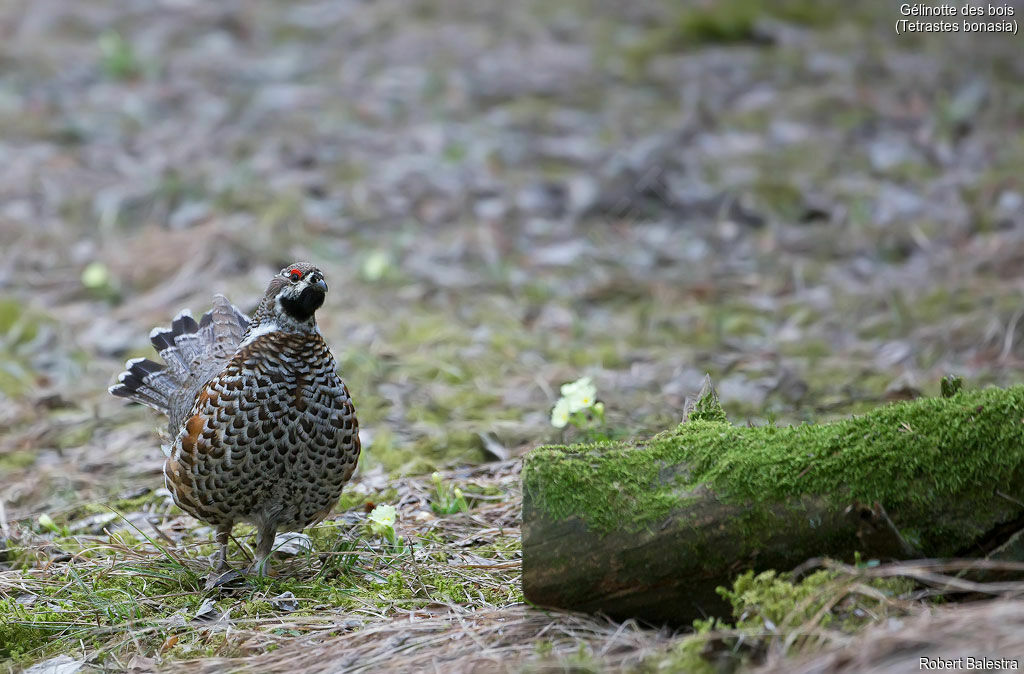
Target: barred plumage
<point>263,429</point>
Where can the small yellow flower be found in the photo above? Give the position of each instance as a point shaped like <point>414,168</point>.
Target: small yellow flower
<point>96,275</point>
<point>46,522</point>
<point>560,414</point>
<point>580,394</point>
<point>376,265</point>
<point>382,518</point>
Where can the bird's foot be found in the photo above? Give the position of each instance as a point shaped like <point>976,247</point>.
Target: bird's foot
<point>259,568</point>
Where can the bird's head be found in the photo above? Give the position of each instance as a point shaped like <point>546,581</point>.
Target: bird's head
<point>293,296</point>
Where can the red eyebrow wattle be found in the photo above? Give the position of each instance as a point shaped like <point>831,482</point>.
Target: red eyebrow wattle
<point>296,272</point>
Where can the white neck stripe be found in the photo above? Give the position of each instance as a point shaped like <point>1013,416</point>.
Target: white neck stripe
<point>264,328</point>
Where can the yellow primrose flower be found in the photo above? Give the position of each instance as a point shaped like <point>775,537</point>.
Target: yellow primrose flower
<point>382,518</point>
<point>560,414</point>
<point>376,265</point>
<point>46,522</point>
<point>579,395</point>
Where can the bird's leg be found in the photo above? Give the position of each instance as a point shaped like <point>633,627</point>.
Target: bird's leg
<point>264,546</point>
<point>223,534</point>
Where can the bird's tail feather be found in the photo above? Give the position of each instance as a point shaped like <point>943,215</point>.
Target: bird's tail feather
<point>192,352</point>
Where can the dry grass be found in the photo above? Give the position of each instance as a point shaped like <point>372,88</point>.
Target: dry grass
<point>947,609</point>
<point>461,640</point>
<point>993,629</point>
<point>138,589</point>
<point>518,638</point>
<point>133,598</point>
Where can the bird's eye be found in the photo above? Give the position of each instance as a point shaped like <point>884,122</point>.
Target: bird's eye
<point>295,275</point>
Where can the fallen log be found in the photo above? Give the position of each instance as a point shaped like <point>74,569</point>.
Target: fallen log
<point>650,529</point>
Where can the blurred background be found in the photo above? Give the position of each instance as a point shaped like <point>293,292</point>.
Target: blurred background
<point>504,196</point>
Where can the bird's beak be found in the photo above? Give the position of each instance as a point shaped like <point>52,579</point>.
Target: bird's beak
<point>321,285</point>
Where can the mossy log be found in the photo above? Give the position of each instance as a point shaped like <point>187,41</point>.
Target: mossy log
<point>650,529</point>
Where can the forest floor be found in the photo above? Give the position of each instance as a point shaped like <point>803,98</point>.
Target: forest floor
<point>504,196</point>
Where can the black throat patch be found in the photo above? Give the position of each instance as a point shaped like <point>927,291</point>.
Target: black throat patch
<point>301,308</point>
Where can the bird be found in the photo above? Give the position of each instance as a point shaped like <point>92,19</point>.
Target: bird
<point>261,429</point>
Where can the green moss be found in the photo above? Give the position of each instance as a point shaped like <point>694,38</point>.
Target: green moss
<point>783,198</point>
<point>767,598</point>
<point>725,22</point>
<point>503,546</point>
<point>17,460</point>
<point>148,501</point>
<point>686,656</point>
<point>24,631</point>
<point>811,349</point>
<point>708,408</point>
<point>731,21</point>
<point>951,385</point>
<point>10,312</point>
<point>19,327</point>
<point>915,458</point>
<point>768,604</point>
<point>395,587</point>
<point>75,435</point>
<point>75,604</point>
<point>118,59</point>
